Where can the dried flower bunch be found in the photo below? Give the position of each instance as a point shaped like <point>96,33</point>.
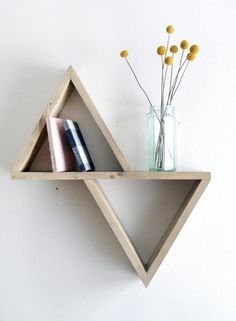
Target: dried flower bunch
<point>169,82</point>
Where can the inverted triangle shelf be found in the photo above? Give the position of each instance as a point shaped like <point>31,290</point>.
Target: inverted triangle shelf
<point>22,170</point>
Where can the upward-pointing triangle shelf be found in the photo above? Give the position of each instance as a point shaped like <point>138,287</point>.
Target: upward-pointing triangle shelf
<point>70,83</point>
<point>199,180</point>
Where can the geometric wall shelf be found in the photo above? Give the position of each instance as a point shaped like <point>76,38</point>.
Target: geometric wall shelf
<point>198,180</point>
<point>146,271</point>
<point>70,83</point>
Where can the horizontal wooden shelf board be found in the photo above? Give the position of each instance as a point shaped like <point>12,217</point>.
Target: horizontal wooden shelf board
<point>111,175</point>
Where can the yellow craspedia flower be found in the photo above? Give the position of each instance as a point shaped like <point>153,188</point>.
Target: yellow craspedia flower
<point>169,60</point>
<point>170,29</point>
<point>194,49</point>
<point>174,49</point>
<point>184,44</point>
<point>191,56</point>
<point>161,50</point>
<point>124,53</point>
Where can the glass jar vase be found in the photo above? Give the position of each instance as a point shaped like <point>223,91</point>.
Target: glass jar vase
<point>161,124</point>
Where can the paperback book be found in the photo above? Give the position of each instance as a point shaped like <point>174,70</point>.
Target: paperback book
<point>62,157</point>
<point>78,146</point>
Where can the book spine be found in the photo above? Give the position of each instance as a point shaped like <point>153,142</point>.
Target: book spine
<point>78,146</point>
<point>51,149</point>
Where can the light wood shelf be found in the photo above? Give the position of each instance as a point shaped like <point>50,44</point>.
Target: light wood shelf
<point>144,175</point>
<point>200,180</point>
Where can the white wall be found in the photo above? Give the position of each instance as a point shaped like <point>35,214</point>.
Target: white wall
<point>58,258</point>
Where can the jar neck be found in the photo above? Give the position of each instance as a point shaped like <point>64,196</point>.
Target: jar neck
<point>167,109</point>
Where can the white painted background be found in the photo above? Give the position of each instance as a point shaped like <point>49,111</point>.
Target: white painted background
<point>58,258</point>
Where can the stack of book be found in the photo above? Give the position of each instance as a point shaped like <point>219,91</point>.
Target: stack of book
<point>67,146</point>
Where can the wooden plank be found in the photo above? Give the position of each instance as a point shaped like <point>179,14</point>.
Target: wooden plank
<point>61,96</point>
<point>111,175</point>
<point>117,227</point>
<point>175,227</point>
<point>39,133</point>
<point>97,118</point>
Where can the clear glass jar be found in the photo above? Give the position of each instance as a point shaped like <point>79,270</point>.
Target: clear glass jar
<point>161,124</point>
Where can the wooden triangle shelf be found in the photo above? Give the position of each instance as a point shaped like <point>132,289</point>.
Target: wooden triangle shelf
<point>200,180</point>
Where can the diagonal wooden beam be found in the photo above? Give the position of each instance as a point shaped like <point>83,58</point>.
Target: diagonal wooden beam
<point>117,227</point>
<point>39,133</point>
<point>175,227</point>
<point>96,116</point>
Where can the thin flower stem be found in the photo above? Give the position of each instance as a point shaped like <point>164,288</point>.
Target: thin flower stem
<point>167,44</point>
<point>159,147</point>
<point>175,81</point>
<point>176,78</point>
<point>181,58</point>
<point>164,83</point>
<point>164,147</point>
<point>179,81</point>
<point>171,75</point>
<point>136,78</point>
<point>162,80</point>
